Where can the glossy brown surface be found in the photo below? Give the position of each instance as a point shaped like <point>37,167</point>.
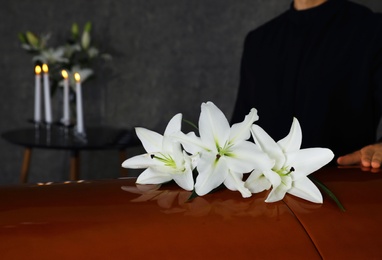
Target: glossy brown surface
<point>355,233</point>
<point>102,220</point>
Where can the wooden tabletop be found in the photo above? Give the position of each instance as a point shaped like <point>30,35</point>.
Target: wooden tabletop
<point>97,138</point>
<point>116,219</point>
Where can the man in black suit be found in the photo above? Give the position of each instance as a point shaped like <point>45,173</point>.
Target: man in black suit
<point>321,62</point>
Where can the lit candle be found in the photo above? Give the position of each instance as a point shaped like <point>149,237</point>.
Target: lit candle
<point>66,116</point>
<point>48,107</point>
<point>37,95</point>
<point>80,118</point>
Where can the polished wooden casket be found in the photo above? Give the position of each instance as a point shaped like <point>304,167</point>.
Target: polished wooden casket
<point>116,219</point>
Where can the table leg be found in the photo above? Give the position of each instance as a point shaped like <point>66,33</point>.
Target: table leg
<point>122,157</point>
<point>25,166</point>
<point>74,165</point>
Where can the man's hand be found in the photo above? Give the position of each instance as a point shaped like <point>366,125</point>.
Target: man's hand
<point>369,156</point>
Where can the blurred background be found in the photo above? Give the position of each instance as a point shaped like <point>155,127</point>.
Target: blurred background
<point>168,56</point>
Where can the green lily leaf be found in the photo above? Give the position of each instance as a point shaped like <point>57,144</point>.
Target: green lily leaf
<point>328,192</point>
<point>22,38</point>
<point>192,196</point>
<point>190,123</point>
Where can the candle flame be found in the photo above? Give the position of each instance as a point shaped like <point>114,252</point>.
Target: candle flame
<point>37,70</point>
<point>64,74</point>
<point>77,77</point>
<point>45,68</point>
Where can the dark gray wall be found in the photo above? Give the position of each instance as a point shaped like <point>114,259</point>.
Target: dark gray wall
<point>169,57</point>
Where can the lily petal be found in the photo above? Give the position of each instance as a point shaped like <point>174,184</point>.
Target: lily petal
<point>292,142</point>
<point>305,189</point>
<point>257,182</point>
<point>184,180</point>
<point>191,142</point>
<point>234,181</point>
<point>213,125</point>
<point>278,193</point>
<point>241,131</point>
<point>268,145</point>
<point>273,177</point>
<point>174,125</point>
<point>212,173</point>
<point>306,161</point>
<point>178,155</point>
<point>152,176</point>
<point>140,161</point>
<point>151,141</point>
<point>246,156</point>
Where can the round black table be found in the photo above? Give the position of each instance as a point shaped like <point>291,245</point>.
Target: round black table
<point>97,138</point>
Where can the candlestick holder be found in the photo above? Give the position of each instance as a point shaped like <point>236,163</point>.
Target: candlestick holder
<point>65,126</point>
<point>48,127</point>
<point>81,136</point>
<point>42,129</point>
<point>37,128</point>
<point>65,123</point>
<point>37,124</point>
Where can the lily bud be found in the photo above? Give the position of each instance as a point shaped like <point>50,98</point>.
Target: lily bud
<point>88,27</point>
<point>32,39</point>
<point>85,40</point>
<point>75,31</point>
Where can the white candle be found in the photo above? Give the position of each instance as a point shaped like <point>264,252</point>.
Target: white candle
<point>66,115</point>
<point>80,117</point>
<point>48,107</point>
<point>37,95</point>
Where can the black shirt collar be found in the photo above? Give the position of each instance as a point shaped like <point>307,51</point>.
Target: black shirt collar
<point>316,15</point>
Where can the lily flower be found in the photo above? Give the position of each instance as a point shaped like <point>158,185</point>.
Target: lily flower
<point>225,155</point>
<point>52,56</point>
<point>165,160</point>
<point>291,166</point>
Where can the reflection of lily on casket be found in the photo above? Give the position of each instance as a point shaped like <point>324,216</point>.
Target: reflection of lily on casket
<point>178,202</point>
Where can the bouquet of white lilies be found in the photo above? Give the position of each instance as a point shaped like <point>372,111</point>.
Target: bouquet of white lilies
<point>76,55</point>
<point>223,155</point>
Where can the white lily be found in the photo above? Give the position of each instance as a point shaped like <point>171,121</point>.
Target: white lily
<point>224,152</point>
<point>52,56</point>
<point>291,166</point>
<point>165,160</point>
